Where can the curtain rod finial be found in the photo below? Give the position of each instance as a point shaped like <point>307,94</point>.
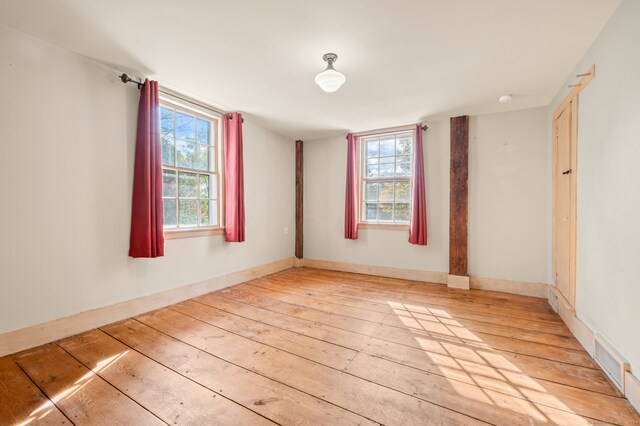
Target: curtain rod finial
<point>126,79</point>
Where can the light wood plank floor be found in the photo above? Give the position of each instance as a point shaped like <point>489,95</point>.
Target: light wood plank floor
<point>307,346</point>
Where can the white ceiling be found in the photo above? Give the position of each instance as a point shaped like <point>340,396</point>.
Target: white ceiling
<point>405,60</point>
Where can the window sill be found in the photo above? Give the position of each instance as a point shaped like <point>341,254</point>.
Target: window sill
<point>387,226</point>
<point>174,234</point>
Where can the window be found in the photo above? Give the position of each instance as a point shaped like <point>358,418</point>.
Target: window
<point>386,174</point>
<point>190,170</point>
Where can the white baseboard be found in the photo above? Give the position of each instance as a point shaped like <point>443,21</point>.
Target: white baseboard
<point>587,339</point>
<point>382,271</point>
<point>460,282</point>
<point>585,336</point>
<point>632,390</point>
<point>480,283</point>
<point>39,334</point>
<point>509,286</point>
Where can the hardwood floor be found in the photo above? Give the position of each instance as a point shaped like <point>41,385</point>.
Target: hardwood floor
<point>307,346</point>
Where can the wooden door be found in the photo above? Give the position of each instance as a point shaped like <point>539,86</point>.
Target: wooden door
<point>564,172</point>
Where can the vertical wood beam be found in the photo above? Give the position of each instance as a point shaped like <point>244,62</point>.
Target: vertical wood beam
<point>458,201</point>
<point>299,198</point>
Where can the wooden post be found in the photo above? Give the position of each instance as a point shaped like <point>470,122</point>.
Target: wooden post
<point>458,203</point>
<point>299,199</point>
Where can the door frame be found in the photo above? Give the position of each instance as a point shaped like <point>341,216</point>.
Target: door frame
<point>570,101</point>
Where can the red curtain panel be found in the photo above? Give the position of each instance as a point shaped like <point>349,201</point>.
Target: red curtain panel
<point>418,224</point>
<point>351,193</point>
<point>147,238</point>
<point>234,178</point>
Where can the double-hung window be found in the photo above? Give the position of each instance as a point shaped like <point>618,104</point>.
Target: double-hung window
<point>190,169</point>
<point>386,175</point>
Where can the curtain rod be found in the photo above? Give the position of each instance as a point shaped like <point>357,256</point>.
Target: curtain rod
<point>424,128</point>
<point>127,79</point>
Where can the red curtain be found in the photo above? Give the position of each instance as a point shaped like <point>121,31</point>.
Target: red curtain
<point>234,178</point>
<point>418,224</point>
<point>147,237</point>
<point>351,193</point>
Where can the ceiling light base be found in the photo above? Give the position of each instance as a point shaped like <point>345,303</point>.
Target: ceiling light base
<point>330,57</point>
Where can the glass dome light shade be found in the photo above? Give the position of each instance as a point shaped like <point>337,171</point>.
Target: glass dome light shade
<point>330,80</point>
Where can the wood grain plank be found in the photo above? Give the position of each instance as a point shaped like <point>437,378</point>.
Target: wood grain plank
<point>170,396</point>
<point>418,287</point>
<point>308,346</point>
<point>375,402</point>
<point>21,402</point>
<point>81,395</point>
<point>446,353</point>
<point>368,300</point>
<point>384,293</point>
<point>480,297</point>
<point>272,399</point>
<point>322,352</point>
<point>245,305</point>
<point>488,405</point>
<point>458,198</point>
<point>299,200</point>
<point>399,315</point>
<point>585,378</point>
<point>405,336</point>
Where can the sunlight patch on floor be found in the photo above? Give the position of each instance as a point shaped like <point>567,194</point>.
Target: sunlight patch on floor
<point>474,371</point>
<point>47,407</point>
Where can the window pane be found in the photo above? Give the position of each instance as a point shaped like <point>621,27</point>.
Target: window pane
<point>203,130</point>
<point>402,212</point>
<point>169,184</point>
<point>403,191</point>
<point>372,160</point>
<point>388,147</point>
<point>372,170</point>
<point>371,191</point>
<point>204,212</point>
<point>403,145</point>
<point>167,150</point>
<point>370,211</point>
<point>188,184</point>
<point>185,126</point>
<point>186,154</point>
<point>188,212</point>
<point>403,168</point>
<point>386,191</point>
<point>385,211</point>
<point>204,185</point>
<point>166,121</point>
<point>386,170</point>
<point>202,157</point>
<point>387,160</point>
<point>372,148</point>
<point>170,212</point>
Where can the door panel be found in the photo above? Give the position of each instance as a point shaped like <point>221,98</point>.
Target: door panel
<point>564,210</point>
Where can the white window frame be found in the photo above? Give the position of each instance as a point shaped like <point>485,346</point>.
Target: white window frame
<point>363,179</point>
<point>216,163</point>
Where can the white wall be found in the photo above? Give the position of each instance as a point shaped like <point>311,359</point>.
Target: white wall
<point>66,160</point>
<point>608,248</point>
<point>508,202</point>
<point>509,197</point>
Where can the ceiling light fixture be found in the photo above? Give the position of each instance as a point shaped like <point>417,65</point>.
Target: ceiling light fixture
<point>330,80</point>
<point>505,98</point>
